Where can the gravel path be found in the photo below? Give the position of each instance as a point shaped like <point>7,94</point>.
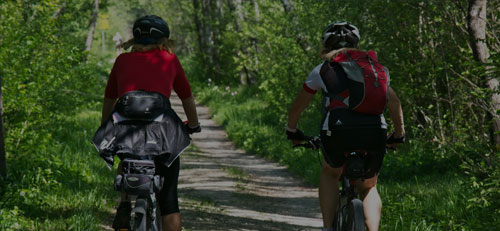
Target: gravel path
<point>224,188</point>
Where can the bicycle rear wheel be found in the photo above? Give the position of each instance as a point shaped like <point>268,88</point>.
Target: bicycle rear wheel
<point>355,216</point>
<point>338,221</point>
<point>154,219</point>
<point>159,219</point>
<point>139,212</point>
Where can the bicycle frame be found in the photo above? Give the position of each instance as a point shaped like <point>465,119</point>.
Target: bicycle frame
<point>348,197</point>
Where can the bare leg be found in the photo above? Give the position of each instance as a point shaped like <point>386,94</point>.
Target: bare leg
<point>172,222</point>
<point>372,204</point>
<point>328,191</point>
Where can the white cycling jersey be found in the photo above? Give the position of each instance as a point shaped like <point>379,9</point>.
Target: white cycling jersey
<point>312,84</point>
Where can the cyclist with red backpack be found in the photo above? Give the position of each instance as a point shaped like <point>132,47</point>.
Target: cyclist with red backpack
<point>356,93</point>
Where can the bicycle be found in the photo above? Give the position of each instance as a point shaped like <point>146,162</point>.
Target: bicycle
<point>350,214</point>
<point>138,180</point>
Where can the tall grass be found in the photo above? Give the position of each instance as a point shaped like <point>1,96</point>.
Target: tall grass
<point>62,185</point>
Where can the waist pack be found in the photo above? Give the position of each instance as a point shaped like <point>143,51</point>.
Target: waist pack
<point>368,82</point>
<point>138,178</point>
<point>142,105</point>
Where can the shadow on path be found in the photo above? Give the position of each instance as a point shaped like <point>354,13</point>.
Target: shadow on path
<point>224,188</point>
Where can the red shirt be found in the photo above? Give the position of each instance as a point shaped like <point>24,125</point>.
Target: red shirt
<point>154,70</point>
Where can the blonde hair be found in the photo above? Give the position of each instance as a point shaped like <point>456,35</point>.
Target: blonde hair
<point>328,54</point>
<point>162,44</point>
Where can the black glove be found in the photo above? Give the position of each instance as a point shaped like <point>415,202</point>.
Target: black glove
<point>392,140</point>
<point>297,135</point>
<point>194,129</point>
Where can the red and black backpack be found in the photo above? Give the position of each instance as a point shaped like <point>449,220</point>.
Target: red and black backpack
<point>367,85</point>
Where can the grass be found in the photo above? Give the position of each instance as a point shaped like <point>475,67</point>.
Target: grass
<point>62,185</point>
<point>432,202</point>
<point>420,188</point>
<point>237,173</point>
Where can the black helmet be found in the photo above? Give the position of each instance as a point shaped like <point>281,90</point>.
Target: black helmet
<point>150,28</point>
<point>339,35</point>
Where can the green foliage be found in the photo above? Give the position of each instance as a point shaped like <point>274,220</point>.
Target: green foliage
<point>54,179</point>
<point>62,186</point>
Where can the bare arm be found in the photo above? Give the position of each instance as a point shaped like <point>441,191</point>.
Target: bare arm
<point>190,109</point>
<point>396,113</point>
<point>107,108</point>
<point>298,106</point>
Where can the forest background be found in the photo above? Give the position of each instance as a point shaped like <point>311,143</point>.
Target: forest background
<point>247,60</point>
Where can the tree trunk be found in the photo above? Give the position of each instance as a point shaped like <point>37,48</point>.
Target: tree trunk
<point>477,29</point>
<point>197,22</point>
<point>207,27</point>
<point>256,9</point>
<point>236,6</point>
<point>59,11</point>
<point>219,8</point>
<point>93,22</point>
<point>255,44</point>
<point>206,36</point>
<point>3,165</point>
<point>290,11</point>
<point>216,17</point>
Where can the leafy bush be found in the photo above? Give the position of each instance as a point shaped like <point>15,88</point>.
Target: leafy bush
<point>54,179</point>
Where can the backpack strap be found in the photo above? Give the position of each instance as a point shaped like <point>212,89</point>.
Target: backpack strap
<point>342,99</point>
<point>352,69</point>
<point>333,96</point>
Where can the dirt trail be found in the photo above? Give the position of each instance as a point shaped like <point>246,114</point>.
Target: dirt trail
<point>224,188</point>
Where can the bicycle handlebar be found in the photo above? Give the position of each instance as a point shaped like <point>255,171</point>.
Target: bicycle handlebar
<point>392,140</point>
<point>311,142</point>
<point>314,142</point>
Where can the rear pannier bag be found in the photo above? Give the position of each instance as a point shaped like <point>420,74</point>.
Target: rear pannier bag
<point>142,105</point>
<point>138,178</point>
<point>368,82</point>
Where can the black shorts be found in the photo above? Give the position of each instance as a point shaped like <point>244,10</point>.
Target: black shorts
<point>343,140</point>
<point>167,198</point>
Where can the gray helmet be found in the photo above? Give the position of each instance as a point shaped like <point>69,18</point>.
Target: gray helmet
<point>339,35</point>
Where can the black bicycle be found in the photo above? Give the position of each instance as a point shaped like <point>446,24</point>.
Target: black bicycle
<point>138,180</point>
<point>350,214</point>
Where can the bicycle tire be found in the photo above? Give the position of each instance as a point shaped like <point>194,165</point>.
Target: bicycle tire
<point>159,219</point>
<point>139,212</point>
<point>338,221</point>
<point>157,226</point>
<point>355,216</point>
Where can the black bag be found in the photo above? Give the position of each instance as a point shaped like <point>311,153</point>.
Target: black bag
<point>138,178</point>
<point>142,105</point>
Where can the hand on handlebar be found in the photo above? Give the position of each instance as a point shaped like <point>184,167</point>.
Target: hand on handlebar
<point>300,140</point>
<point>313,143</point>
<point>297,137</point>
<point>194,129</point>
<point>392,142</point>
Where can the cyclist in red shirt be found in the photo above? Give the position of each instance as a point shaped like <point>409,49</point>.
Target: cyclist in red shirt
<point>342,128</point>
<point>151,66</point>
